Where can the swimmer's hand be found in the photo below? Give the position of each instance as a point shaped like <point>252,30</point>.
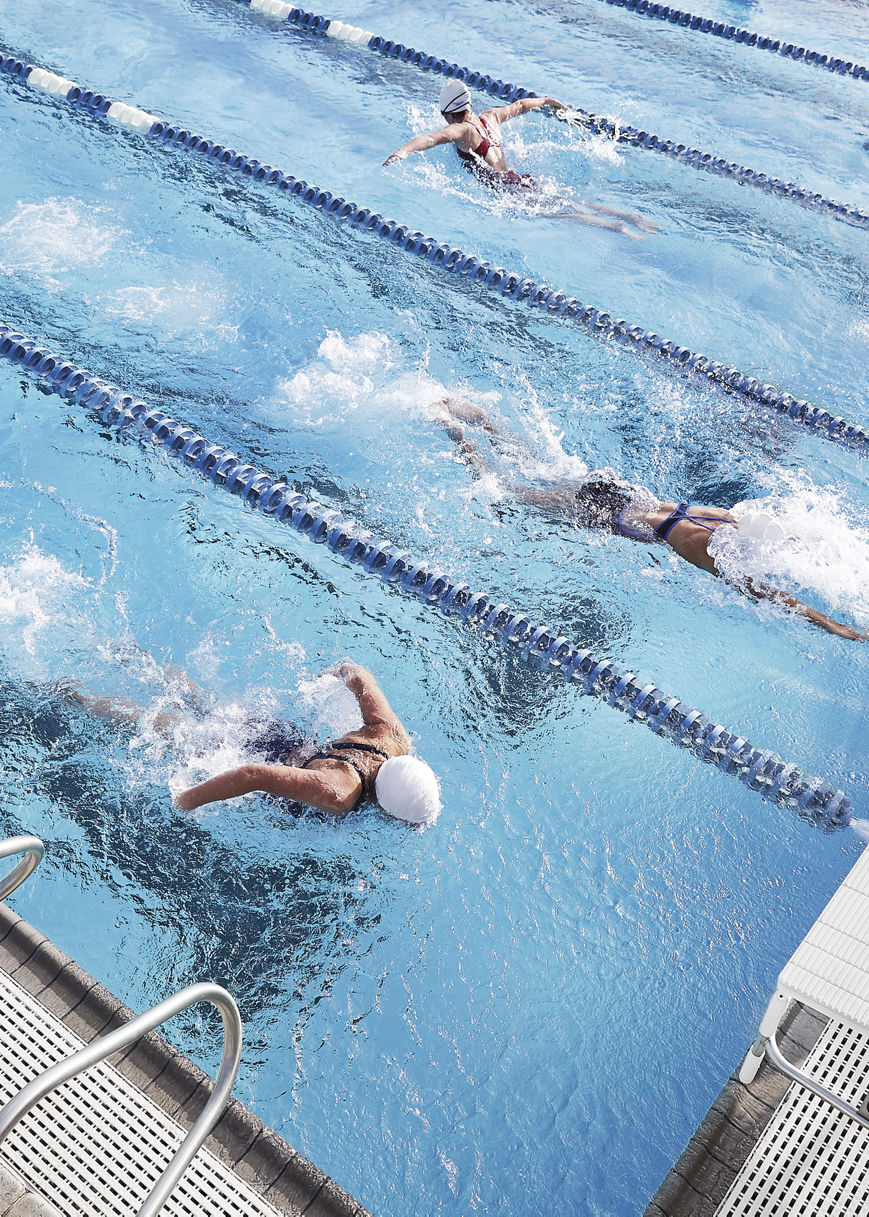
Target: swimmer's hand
<point>186,799</point>
<point>841,630</point>
<point>344,669</point>
<point>390,160</point>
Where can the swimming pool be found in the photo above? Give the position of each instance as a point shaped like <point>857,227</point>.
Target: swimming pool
<point>528,1007</point>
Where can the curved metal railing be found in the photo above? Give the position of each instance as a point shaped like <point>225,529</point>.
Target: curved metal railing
<point>802,1078</point>
<point>33,851</point>
<point>104,1047</point>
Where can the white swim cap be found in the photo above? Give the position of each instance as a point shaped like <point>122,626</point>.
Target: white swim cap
<point>759,526</point>
<point>454,98</point>
<point>407,788</point>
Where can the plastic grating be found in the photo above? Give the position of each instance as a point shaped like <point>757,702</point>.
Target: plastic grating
<point>811,1161</point>
<point>829,971</point>
<point>97,1145</point>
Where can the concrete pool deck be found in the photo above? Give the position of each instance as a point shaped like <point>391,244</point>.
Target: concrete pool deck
<point>701,1178</point>
<point>241,1141</point>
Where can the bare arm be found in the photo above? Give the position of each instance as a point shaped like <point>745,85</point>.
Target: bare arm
<point>760,592</point>
<point>330,790</point>
<point>373,706</point>
<point>453,134</point>
<point>503,114</point>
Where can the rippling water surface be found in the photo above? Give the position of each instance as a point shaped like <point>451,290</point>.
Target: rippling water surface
<point>527,1008</point>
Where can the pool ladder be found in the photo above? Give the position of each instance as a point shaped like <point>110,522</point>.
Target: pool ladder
<point>79,1062</point>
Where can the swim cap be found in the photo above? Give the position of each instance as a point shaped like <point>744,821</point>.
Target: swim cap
<point>408,789</point>
<point>454,98</point>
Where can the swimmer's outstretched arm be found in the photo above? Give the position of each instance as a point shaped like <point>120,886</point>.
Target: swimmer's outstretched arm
<point>693,546</point>
<point>503,114</point>
<point>760,592</point>
<point>332,791</point>
<point>453,134</point>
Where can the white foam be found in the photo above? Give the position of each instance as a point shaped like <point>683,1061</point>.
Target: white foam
<point>35,591</point>
<point>335,708</point>
<point>197,308</point>
<point>50,238</point>
<point>365,373</point>
<point>799,541</point>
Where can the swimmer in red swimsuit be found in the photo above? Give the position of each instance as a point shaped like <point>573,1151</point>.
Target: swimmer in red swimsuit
<point>478,143</point>
<point>603,501</point>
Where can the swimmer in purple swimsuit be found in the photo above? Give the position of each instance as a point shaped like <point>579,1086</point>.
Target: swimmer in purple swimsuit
<point>603,501</point>
<point>478,143</point>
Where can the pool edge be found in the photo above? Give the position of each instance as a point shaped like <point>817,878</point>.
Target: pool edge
<point>257,1154</point>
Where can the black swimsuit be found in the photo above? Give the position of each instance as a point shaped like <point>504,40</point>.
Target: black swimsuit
<point>334,754</point>
<point>282,743</point>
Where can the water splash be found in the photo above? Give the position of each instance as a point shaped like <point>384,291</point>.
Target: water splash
<point>198,308</point>
<point>336,710</point>
<point>48,239</point>
<point>364,373</point>
<point>802,541</point>
<point>37,595</point>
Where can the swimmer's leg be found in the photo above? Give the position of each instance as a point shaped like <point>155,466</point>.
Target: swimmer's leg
<point>584,217</point>
<point>452,412</point>
<point>116,709</point>
<point>199,699</point>
<point>464,411</point>
<point>630,217</point>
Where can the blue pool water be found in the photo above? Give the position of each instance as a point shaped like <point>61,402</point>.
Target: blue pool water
<point>527,1008</point>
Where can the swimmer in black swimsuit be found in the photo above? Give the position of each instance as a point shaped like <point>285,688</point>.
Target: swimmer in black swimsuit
<point>478,143</point>
<point>372,764</point>
<point>604,501</point>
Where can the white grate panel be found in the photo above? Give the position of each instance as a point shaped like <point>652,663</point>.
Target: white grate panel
<point>828,970</point>
<point>810,1161</point>
<point>97,1145</point>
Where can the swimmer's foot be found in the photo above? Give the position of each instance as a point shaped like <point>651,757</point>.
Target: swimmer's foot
<point>454,430</point>
<point>643,223</point>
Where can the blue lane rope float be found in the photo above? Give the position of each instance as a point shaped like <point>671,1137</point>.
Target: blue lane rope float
<point>443,256</point>
<point>733,33</point>
<point>762,770</point>
<point>598,124</point>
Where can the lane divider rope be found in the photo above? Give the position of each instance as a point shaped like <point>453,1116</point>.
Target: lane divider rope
<point>622,133</point>
<point>734,33</point>
<point>762,770</point>
<point>443,256</point>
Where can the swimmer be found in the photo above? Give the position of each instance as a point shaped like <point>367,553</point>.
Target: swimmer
<point>371,764</point>
<point>477,141</point>
<point>603,501</point>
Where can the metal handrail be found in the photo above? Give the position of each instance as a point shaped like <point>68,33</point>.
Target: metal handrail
<point>63,1070</point>
<point>32,848</point>
<point>805,1079</point>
